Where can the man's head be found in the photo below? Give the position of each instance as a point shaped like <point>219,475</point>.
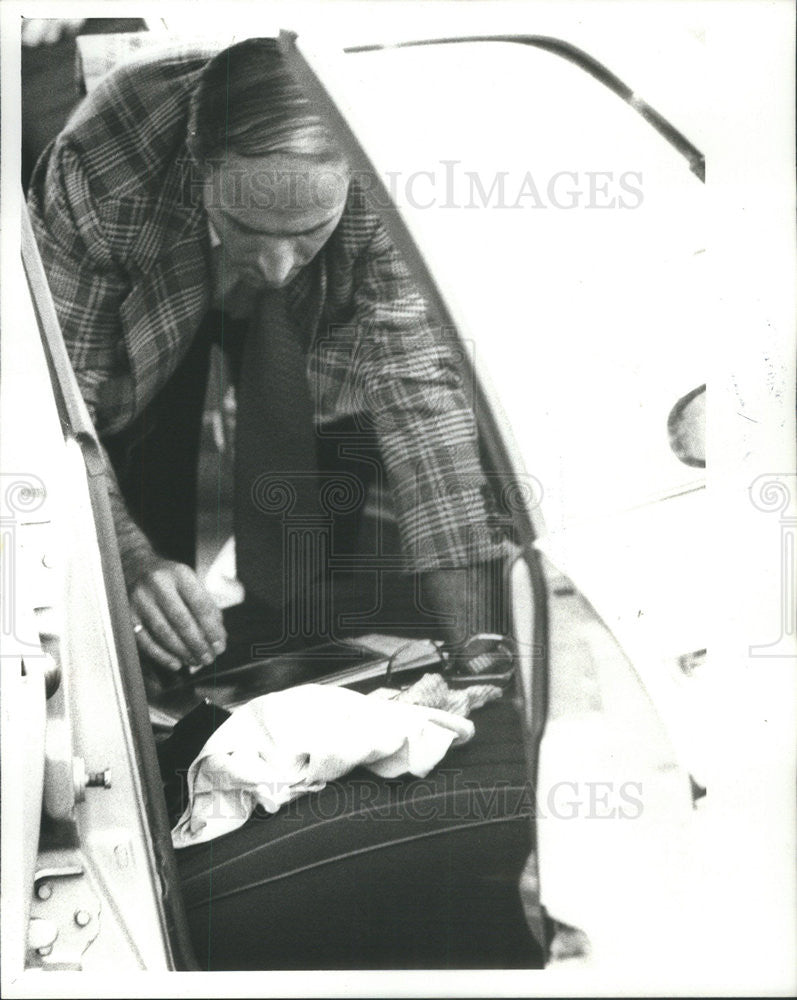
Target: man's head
<point>275,183</point>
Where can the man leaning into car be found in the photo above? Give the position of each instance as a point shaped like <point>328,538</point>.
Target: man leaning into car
<point>196,198</point>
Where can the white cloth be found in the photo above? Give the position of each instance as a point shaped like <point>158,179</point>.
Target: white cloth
<point>283,745</point>
<point>431,690</point>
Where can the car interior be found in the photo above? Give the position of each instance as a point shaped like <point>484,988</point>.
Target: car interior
<point>439,872</point>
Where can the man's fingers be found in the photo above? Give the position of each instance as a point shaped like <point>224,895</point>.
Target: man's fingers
<point>203,608</point>
<point>179,615</point>
<point>188,625</point>
<point>148,645</point>
<point>151,612</point>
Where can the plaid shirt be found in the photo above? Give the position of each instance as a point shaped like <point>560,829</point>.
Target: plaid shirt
<point>117,210</point>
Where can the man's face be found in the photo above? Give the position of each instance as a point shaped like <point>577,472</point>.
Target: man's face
<point>272,214</point>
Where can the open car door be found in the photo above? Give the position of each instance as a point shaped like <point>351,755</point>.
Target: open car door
<point>88,878</point>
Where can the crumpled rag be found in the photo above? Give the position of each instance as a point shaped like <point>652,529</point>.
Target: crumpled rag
<point>288,743</point>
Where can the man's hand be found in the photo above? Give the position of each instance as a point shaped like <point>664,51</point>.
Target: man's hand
<point>179,621</point>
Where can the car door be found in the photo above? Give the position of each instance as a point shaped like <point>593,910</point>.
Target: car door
<point>88,880</point>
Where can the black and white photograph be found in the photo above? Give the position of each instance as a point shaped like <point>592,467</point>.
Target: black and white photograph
<point>398,500</point>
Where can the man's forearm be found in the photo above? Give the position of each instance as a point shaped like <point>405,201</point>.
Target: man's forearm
<point>135,549</point>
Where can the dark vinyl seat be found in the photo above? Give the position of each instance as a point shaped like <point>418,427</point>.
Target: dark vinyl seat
<point>376,874</point>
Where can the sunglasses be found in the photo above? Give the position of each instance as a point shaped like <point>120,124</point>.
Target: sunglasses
<point>483,659</point>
